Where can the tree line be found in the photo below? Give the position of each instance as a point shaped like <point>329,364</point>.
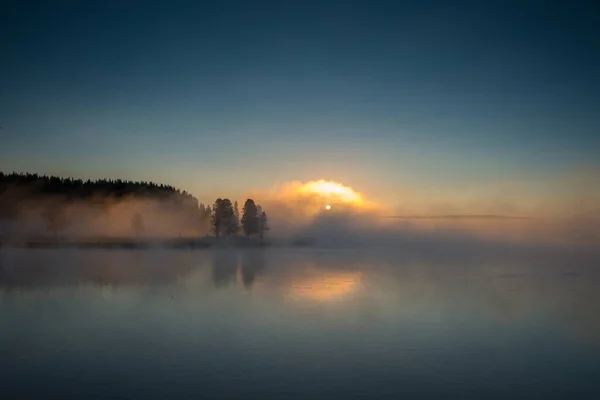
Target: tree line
<point>32,185</point>
<point>223,218</point>
<point>226,221</point>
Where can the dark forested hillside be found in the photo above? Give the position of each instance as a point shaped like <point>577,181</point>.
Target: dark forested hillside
<point>34,185</point>
<point>32,204</point>
<point>102,205</point>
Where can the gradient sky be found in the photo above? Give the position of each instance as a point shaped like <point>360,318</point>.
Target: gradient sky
<point>227,96</point>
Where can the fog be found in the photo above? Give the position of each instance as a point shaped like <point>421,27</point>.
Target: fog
<point>507,284</point>
<point>298,215</point>
<point>303,217</point>
<point>105,218</point>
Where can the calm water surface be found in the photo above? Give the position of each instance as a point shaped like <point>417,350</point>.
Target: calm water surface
<point>278,324</point>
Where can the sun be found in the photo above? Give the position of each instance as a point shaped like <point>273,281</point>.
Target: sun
<point>334,190</point>
<point>315,197</point>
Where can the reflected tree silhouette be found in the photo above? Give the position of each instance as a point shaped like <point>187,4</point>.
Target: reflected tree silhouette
<point>60,269</point>
<point>253,264</point>
<point>224,268</point>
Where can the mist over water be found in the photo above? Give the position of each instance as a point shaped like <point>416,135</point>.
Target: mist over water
<point>299,200</point>
<point>299,213</point>
<point>106,218</point>
<point>316,213</point>
<point>338,301</point>
<point>292,323</point>
<point>351,229</point>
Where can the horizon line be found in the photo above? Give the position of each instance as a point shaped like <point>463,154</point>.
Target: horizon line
<point>457,216</point>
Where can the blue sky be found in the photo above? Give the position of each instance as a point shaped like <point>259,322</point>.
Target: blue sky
<point>231,96</point>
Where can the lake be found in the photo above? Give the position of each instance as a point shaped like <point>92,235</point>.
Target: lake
<point>299,324</point>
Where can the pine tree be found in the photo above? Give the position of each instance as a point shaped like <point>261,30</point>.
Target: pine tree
<point>205,215</point>
<point>234,227</point>
<point>222,217</point>
<point>216,217</point>
<point>250,218</point>
<point>264,225</point>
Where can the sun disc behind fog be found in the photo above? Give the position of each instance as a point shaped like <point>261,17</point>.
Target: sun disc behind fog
<point>328,207</point>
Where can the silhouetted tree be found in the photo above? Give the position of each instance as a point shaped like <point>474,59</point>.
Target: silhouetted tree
<point>250,223</point>
<point>264,226</point>
<point>216,217</point>
<point>253,264</point>
<point>236,211</point>
<point>234,226</point>
<point>205,215</point>
<point>40,185</point>
<point>224,268</point>
<point>222,215</point>
<point>206,210</point>
<point>16,190</point>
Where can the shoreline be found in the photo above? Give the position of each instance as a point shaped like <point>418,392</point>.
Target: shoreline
<point>127,243</point>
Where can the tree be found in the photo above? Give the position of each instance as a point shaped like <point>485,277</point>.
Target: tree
<point>264,226</point>
<point>222,216</point>
<point>216,217</point>
<point>204,215</point>
<point>250,221</point>
<point>137,224</point>
<point>234,226</point>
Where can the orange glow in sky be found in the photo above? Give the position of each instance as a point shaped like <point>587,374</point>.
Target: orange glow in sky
<point>322,195</point>
<point>332,189</point>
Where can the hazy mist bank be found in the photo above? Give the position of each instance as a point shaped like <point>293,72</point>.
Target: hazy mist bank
<point>33,205</point>
<point>507,284</point>
<point>345,229</point>
<point>357,229</point>
<point>320,213</point>
<point>106,218</point>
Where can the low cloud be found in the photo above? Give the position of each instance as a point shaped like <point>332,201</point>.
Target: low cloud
<point>511,212</point>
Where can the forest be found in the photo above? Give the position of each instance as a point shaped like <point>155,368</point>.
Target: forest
<point>60,203</point>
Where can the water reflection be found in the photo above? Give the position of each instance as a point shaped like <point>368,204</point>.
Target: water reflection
<point>298,323</point>
<point>31,269</point>
<point>253,265</point>
<point>513,289</point>
<point>224,267</point>
<point>324,286</point>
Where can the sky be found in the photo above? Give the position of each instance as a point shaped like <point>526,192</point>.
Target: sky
<point>224,97</point>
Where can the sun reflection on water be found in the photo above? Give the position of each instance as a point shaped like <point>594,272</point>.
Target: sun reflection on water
<point>324,286</point>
